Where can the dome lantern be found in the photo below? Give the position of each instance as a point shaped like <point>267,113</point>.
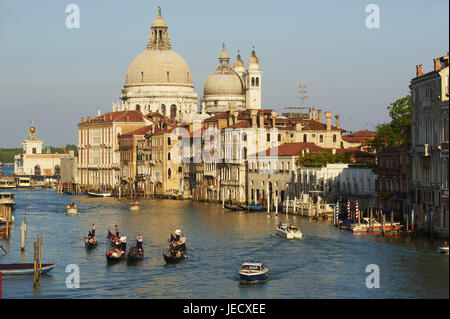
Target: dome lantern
<point>159,35</point>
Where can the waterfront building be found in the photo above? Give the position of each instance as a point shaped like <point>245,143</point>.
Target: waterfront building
<point>69,169</point>
<point>360,137</point>
<point>358,184</point>
<point>430,137</point>
<point>32,162</point>
<point>98,146</point>
<point>393,183</point>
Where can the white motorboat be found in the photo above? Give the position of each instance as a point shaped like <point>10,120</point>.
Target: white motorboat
<point>7,183</point>
<point>134,205</point>
<point>443,249</point>
<point>71,209</point>
<point>253,271</point>
<point>99,194</point>
<point>288,231</point>
<point>7,199</point>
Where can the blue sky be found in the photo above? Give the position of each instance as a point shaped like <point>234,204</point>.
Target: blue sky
<point>54,75</point>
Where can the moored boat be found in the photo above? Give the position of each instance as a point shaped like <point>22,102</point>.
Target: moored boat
<point>253,271</point>
<point>251,208</point>
<point>364,226</point>
<point>443,249</point>
<point>74,193</point>
<point>7,199</point>
<point>233,208</point>
<point>71,209</point>
<point>23,269</point>
<point>7,183</point>
<point>288,231</point>
<point>99,194</point>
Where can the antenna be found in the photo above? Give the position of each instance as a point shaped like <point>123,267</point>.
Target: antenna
<point>302,91</point>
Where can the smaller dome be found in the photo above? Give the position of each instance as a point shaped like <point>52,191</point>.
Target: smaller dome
<point>224,55</point>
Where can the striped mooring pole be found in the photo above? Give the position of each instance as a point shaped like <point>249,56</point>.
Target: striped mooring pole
<point>348,210</point>
<point>356,210</point>
<point>336,213</point>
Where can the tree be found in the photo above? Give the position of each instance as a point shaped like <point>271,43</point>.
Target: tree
<point>397,132</point>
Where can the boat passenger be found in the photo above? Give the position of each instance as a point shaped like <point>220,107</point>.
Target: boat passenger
<point>117,231</point>
<point>139,241</point>
<point>123,242</point>
<point>445,244</point>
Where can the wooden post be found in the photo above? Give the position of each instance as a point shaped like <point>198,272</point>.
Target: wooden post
<point>276,205</point>
<point>407,222</point>
<point>34,264</point>
<point>371,220</point>
<point>40,256</point>
<point>392,223</point>
<point>295,205</point>
<point>384,222</point>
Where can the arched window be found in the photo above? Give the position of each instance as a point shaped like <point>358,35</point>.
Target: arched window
<point>253,81</point>
<point>257,81</point>
<point>305,138</point>
<point>57,170</point>
<point>268,137</point>
<point>138,107</point>
<point>169,173</point>
<point>334,138</point>
<point>169,141</point>
<point>173,111</point>
<point>168,156</point>
<point>279,137</point>
<point>37,170</point>
<point>321,138</point>
<point>163,109</point>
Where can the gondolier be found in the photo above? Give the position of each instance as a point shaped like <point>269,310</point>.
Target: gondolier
<point>123,242</point>
<point>139,241</point>
<point>117,231</point>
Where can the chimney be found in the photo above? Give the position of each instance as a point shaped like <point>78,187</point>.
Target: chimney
<point>89,119</point>
<point>82,119</point>
<point>98,112</point>
<point>437,64</point>
<point>261,120</point>
<point>328,118</point>
<point>232,106</point>
<point>273,115</point>
<point>319,116</point>
<point>235,116</point>
<point>337,120</point>
<point>314,113</point>
<point>309,114</point>
<point>419,71</point>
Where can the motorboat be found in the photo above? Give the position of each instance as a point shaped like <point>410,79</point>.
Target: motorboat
<point>74,193</point>
<point>443,249</point>
<point>71,209</point>
<point>7,199</point>
<point>364,226</point>
<point>288,231</point>
<point>253,271</point>
<point>99,194</point>
<point>134,205</point>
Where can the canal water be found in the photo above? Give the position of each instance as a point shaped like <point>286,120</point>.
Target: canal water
<point>326,263</point>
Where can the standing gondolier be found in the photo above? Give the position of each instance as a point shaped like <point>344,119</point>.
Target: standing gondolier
<point>117,231</point>
<point>139,241</point>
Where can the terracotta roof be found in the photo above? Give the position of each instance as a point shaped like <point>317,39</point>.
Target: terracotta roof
<point>140,131</point>
<point>119,116</point>
<point>291,149</point>
<point>218,116</point>
<point>363,133</point>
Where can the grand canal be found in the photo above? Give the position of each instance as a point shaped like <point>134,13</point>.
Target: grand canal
<point>327,263</point>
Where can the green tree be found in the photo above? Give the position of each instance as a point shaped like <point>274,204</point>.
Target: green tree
<point>395,133</point>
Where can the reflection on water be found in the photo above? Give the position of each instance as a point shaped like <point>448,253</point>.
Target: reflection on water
<point>327,263</point>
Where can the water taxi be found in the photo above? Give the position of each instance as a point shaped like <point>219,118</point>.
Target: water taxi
<point>443,249</point>
<point>23,182</point>
<point>7,199</point>
<point>253,271</point>
<point>71,209</point>
<point>288,231</point>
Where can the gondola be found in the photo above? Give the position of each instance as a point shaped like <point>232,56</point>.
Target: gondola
<point>113,238</point>
<point>115,255</point>
<point>90,242</point>
<point>233,208</point>
<point>171,256</point>
<point>251,208</point>
<point>134,254</point>
<point>74,193</point>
